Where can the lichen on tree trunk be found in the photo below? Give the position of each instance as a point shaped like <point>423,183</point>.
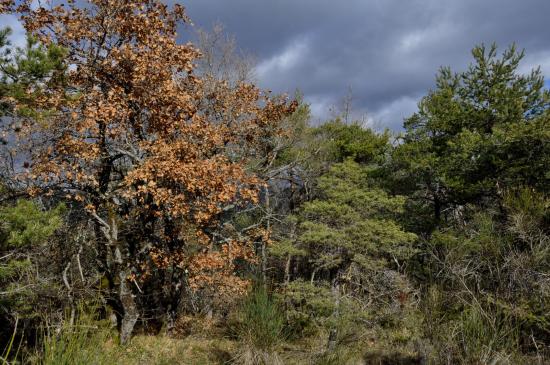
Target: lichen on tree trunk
<point>131,313</point>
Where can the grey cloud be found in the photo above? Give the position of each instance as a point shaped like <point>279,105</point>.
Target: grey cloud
<point>387,51</point>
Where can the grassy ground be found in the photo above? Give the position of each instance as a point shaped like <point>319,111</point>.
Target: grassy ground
<point>202,349</point>
<point>163,350</point>
<point>102,348</point>
<point>198,350</point>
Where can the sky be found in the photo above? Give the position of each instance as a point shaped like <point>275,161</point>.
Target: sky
<point>384,53</point>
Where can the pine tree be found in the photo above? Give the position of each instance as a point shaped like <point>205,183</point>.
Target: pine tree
<point>477,133</point>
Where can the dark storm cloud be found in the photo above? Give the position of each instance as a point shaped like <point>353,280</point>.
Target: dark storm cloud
<point>387,51</point>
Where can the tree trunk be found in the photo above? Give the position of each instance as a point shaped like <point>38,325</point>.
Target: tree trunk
<point>333,334</point>
<point>437,210</point>
<point>268,226</point>
<point>287,270</point>
<point>131,314</point>
<point>331,344</point>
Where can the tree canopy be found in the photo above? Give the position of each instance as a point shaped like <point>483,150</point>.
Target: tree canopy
<point>147,186</point>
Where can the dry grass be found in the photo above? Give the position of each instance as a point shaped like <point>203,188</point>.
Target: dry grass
<point>162,350</point>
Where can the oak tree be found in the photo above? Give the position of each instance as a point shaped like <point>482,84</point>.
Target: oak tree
<point>133,138</point>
